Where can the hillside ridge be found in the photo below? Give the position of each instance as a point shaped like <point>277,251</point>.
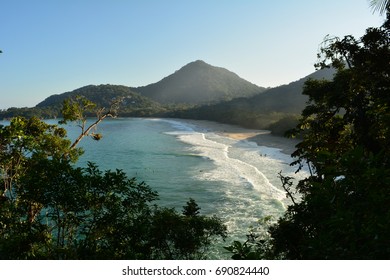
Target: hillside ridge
<point>199,83</point>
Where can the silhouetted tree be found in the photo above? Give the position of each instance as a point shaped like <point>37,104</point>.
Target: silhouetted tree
<point>343,212</point>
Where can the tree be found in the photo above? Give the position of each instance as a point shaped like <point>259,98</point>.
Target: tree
<point>50,209</point>
<point>380,5</point>
<point>84,213</point>
<point>25,141</point>
<point>23,145</point>
<point>89,214</point>
<point>343,212</point>
<point>187,236</point>
<point>258,244</point>
<point>75,110</point>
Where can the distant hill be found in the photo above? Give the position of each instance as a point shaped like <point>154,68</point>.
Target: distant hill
<point>101,94</point>
<point>199,83</point>
<point>197,91</point>
<point>133,104</point>
<point>287,98</point>
<point>262,110</point>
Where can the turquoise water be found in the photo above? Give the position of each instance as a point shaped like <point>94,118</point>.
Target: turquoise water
<point>228,178</point>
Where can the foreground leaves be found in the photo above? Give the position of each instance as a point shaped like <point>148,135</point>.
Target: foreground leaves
<point>50,209</point>
<point>343,211</point>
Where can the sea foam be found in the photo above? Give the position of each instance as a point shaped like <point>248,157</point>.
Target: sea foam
<point>232,170</point>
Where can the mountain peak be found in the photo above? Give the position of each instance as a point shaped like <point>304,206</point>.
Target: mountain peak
<point>199,62</point>
<point>199,83</point>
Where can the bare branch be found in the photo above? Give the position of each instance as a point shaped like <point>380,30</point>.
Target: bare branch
<point>112,113</point>
<point>287,184</point>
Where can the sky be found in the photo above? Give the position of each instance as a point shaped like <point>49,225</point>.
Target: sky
<point>54,46</point>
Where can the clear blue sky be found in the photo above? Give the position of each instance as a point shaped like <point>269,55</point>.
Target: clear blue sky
<point>50,47</point>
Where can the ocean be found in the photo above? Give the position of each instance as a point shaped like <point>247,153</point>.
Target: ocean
<point>236,180</point>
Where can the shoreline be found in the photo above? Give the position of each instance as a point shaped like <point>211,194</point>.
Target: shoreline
<point>236,132</point>
<point>260,137</point>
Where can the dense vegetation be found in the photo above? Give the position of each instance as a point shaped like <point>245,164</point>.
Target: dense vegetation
<point>261,111</point>
<point>343,212</point>
<point>199,83</point>
<point>50,209</point>
<point>196,91</point>
<point>133,104</point>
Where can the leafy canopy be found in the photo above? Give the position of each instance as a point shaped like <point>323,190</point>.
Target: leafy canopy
<point>50,209</point>
<point>343,212</point>
<point>345,126</point>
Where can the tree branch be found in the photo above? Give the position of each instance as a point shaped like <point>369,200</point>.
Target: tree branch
<point>286,184</point>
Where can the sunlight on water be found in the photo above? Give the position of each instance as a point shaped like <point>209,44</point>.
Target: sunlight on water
<point>235,180</point>
<point>246,176</point>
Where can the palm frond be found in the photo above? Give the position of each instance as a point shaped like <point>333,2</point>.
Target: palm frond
<point>379,5</point>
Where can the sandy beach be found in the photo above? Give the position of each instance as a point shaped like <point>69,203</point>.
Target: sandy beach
<point>260,137</point>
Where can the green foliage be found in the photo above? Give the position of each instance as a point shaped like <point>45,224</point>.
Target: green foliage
<point>258,244</point>
<point>191,209</point>
<point>76,109</point>
<point>197,91</point>
<point>83,213</point>
<point>282,126</point>
<point>25,141</point>
<point>262,111</point>
<point>132,103</point>
<point>186,236</point>
<point>380,5</point>
<point>50,209</point>
<point>78,214</point>
<point>343,215</point>
<point>343,212</point>
<point>199,83</point>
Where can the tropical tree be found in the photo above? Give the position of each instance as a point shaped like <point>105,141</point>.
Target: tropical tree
<point>76,110</point>
<point>50,209</point>
<point>380,5</point>
<point>343,210</point>
<point>343,213</point>
<point>184,236</point>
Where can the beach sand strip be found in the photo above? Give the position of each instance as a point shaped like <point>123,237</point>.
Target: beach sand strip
<point>260,137</point>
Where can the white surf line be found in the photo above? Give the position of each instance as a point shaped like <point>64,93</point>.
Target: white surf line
<point>243,169</point>
<point>219,154</point>
<point>257,179</point>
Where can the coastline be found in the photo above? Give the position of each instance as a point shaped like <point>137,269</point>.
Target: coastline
<point>260,137</point>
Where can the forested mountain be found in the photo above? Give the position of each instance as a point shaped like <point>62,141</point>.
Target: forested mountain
<point>102,95</point>
<point>134,104</point>
<point>287,98</point>
<point>197,91</point>
<point>262,110</point>
<point>199,83</point>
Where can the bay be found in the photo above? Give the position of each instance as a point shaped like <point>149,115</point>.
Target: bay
<point>235,180</point>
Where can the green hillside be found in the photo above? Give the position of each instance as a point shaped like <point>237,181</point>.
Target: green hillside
<point>199,83</point>
<point>278,106</point>
<point>133,104</point>
<point>287,98</point>
<point>196,91</point>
